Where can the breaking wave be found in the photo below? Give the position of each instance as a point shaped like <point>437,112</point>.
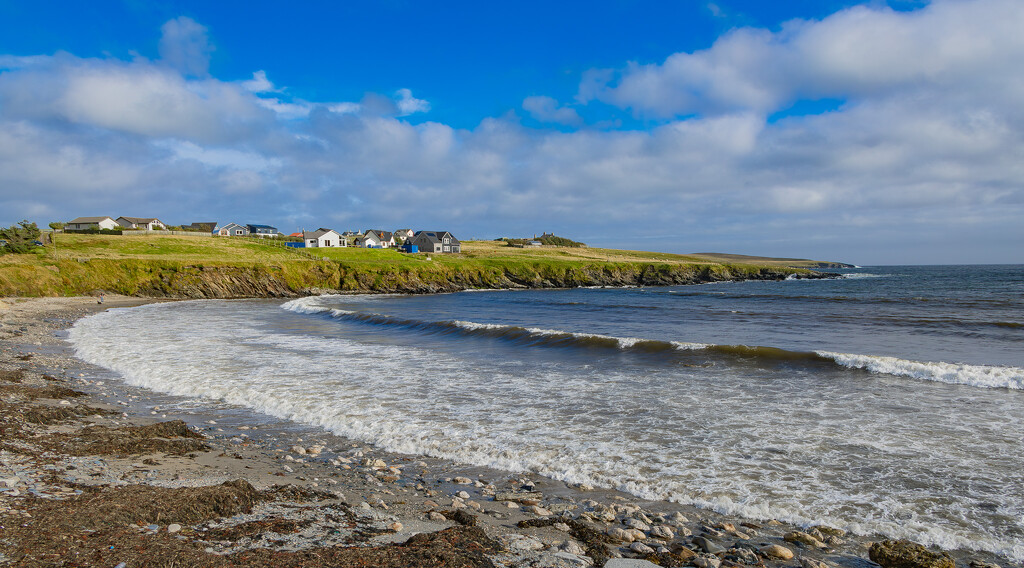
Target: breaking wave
<point>985,376</point>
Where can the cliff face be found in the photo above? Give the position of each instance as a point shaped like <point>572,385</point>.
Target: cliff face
<point>290,279</point>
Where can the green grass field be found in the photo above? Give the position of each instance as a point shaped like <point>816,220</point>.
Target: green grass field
<point>193,266</point>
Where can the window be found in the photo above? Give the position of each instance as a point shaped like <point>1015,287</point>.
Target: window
<point>447,240</point>
<point>238,231</point>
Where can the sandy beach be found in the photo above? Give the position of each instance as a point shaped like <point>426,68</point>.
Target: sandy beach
<point>96,473</point>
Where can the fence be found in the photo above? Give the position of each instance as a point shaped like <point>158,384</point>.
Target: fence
<point>137,233</point>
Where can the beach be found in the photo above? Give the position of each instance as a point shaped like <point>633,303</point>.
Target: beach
<point>94,472</point>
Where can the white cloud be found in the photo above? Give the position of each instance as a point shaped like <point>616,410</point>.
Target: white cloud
<point>546,109</point>
<point>259,83</point>
<point>186,46</point>
<point>344,108</point>
<point>408,104</point>
<point>863,51</point>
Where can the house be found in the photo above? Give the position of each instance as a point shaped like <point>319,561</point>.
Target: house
<point>375,238</point>
<point>85,223</point>
<point>404,234</point>
<point>323,238</point>
<point>299,235</point>
<point>436,241</point>
<point>534,243</point>
<point>261,230</point>
<point>232,230</point>
<point>204,227</point>
<point>145,223</point>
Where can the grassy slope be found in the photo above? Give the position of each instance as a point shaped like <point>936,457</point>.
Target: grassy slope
<point>164,265</point>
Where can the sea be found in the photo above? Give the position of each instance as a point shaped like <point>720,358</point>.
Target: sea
<point>888,401</point>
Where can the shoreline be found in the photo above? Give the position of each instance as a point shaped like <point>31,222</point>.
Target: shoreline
<point>365,501</point>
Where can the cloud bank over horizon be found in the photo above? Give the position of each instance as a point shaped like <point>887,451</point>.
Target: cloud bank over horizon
<point>871,135</point>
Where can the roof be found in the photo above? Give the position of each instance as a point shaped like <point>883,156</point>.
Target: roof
<point>384,235</point>
<point>138,220</point>
<point>89,219</point>
<point>317,233</point>
<point>251,226</point>
<point>436,236</point>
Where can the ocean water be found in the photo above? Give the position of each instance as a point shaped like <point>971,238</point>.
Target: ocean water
<point>890,401</point>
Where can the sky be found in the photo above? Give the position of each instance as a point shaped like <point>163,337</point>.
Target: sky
<point>878,132</point>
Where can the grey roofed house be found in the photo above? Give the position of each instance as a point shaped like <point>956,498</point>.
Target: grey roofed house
<point>232,230</point>
<point>148,223</point>
<point>377,237</point>
<point>82,223</point>
<point>436,241</point>
<point>204,226</point>
<point>323,238</point>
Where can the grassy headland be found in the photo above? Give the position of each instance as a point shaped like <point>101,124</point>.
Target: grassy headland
<point>206,267</point>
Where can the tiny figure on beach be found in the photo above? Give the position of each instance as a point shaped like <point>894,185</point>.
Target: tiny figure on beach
<point>101,299</point>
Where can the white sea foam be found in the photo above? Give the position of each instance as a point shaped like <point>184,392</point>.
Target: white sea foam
<point>798,449</point>
<point>953,373</point>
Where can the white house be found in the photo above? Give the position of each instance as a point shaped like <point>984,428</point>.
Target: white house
<point>231,230</point>
<point>323,238</point>
<point>404,234</point>
<point>84,223</point>
<point>375,238</point>
<point>147,223</point>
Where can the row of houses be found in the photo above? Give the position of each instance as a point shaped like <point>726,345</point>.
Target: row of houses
<point>411,241</point>
<point>86,223</point>
<point>406,240</point>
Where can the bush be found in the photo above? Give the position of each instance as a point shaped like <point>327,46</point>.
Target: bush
<point>20,238</point>
<point>95,231</point>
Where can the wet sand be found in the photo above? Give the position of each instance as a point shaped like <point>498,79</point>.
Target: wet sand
<point>94,472</point>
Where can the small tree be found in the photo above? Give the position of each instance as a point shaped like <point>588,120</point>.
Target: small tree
<point>19,237</point>
<point>57,225</point>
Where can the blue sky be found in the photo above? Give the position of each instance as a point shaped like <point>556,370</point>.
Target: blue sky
<point>874,133</point>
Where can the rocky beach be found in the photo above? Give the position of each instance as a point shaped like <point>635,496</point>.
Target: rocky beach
<point>94,472</point>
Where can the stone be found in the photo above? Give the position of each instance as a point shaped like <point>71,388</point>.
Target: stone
<point>561,527</point>
<point>435,516</point>
<point>573,547</point>
<point>707,545</point>
<point>684,553</point>
<point>519,496</point>
<point>462,481</point>
<point>641,548</point>
<point>566,560</point>
<point>812,563</point>
<point>537,510</point>
<point>829,531</point>
<point>173,528</point>
<point>637,534</point>
<point>520,543</point>
<point>462,495</point>
<point>662,532</point>
<point>777,551</point>
<point>395,526</point>
<point>299,450</point>
<point>907,554</point>
<point>707,561</point>
<point>637,524</point>
<point>629,563</point>
<point>803,538</point>
<point>678,517</point>
<point>9,482</point>
<point>620,534</point>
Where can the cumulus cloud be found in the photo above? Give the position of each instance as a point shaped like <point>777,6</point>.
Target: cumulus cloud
<point>919,158</point>
<point>860,52</point>
<point>186,46</point>
<point>547,109</point>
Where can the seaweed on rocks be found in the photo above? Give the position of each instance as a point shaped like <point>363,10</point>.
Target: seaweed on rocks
<point>172,438</point>
<point>593,541</point>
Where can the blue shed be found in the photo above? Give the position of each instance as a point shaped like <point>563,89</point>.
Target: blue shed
<point>408,247</point>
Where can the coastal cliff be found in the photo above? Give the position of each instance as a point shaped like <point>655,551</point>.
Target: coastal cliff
<point>170,279</point>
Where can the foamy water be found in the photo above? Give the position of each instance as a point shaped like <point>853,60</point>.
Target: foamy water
<point>607,387</point>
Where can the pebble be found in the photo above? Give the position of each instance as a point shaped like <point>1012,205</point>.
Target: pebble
<point>573,547</point>
<point>777,551</point>
<point>620,534</point>
<point>462,495</point>
<point>538,510</point>
<point>641,548</point>
<point>662,532</point>
<point>173,528</point>
<point>803,538</point>
<point>435,516</point>
<point>706,561</point>
<point>462,481</point>
<point>637,524</point>
<point>395,526</point>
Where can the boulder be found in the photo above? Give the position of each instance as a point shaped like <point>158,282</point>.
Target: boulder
<point>907,554</point>
<point>803,538</point>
